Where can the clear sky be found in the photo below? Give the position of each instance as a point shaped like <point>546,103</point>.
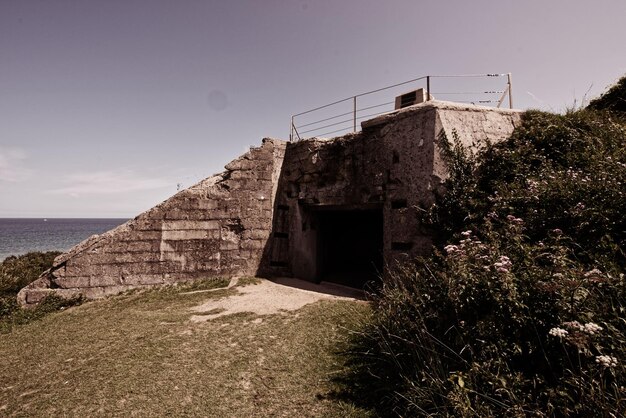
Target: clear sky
<point>107,106</point>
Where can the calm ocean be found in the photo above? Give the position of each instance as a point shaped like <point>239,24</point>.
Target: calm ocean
<point>19,236</point>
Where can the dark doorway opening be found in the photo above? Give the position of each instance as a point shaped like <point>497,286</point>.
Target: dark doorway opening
<point>350,246</point>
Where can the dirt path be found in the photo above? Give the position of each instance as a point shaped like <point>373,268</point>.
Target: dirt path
<point>271,297</point>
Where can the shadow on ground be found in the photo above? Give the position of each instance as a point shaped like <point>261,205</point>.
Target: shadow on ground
<point>326,288</point>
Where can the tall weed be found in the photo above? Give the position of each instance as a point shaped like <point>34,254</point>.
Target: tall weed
<point>520,310</point>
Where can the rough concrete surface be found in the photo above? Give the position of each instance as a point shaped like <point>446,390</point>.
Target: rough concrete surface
<point>317,209</point>
<point>388,170</point>
<point>218,227</point>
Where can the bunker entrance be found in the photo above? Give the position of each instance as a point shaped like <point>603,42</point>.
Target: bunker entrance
<point>350,246</point>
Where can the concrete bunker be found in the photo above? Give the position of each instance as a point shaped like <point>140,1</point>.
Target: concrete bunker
<point>347,207</point>
<point>341,209</point>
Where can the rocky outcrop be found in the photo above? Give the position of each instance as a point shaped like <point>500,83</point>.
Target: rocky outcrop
<point>218,227</point>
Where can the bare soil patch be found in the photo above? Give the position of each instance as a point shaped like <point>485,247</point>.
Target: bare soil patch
<point>265,298</point>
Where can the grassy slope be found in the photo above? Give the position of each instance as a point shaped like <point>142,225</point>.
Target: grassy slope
<point>140,355</point>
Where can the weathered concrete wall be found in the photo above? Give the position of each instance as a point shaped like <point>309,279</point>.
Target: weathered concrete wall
<point>219,227</point>
<point>261,216</point>
<point>393,165</point>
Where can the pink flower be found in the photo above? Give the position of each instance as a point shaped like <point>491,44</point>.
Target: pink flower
<point>574,325</point>
<point>591,328</point>
<point>606,361</point>
<point>514,220</point>
<point>558,332</point>
<point>451,249</point>
<point>594,272</point>
<point>503,265</point>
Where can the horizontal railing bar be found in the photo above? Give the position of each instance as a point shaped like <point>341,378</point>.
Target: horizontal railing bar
<point>361,94</point>
<point>355,111</point>
<point>332,132</point>
<point>324,120</point>
<point>378,105</point>
<point>477,101</point>
<point>327,126</point>
<point>325,106</point>
<point>467,75</point>
<point>342,114</point>
<point>470,92</point>
<point>345,121</point>
<point>397,85</point>
<point>390,87</point>
<point>370,115</point>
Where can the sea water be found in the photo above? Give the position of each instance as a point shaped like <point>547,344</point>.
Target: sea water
<point>20,236</point>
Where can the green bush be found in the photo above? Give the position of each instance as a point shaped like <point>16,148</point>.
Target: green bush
<point>521,310</point>
<point>17,272</point>
<point>556,172</point>
<point>613,100</point>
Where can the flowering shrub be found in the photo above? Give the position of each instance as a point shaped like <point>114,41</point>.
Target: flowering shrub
<point>522,310</point>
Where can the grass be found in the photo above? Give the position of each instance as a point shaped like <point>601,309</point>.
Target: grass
<point>139,355</point>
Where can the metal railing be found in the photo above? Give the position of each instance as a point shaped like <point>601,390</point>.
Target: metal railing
<point>343,115</point>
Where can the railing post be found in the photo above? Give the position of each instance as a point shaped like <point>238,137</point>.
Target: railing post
<point>510,91</point>
<point>427,88</point>
<point>291,130</point>
<point>354,117</point>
